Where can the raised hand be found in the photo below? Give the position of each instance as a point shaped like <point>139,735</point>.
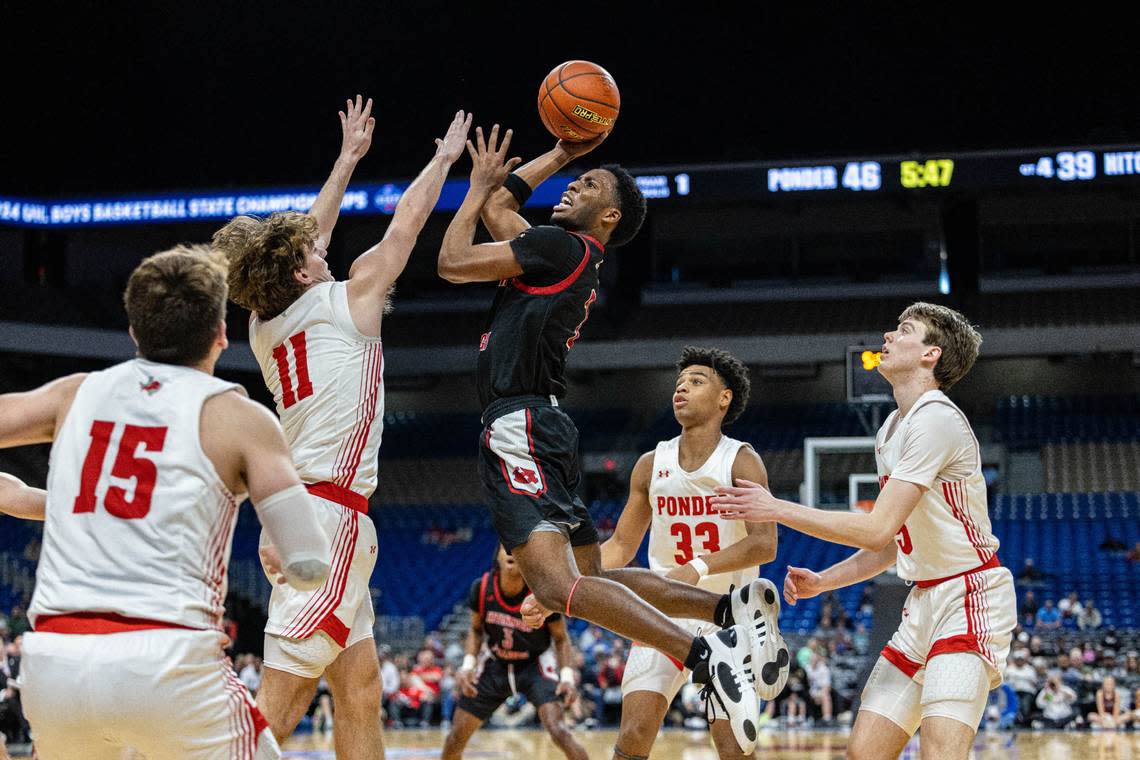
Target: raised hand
<point>801,583</point>
<point>574,150</point>
<point>451,146</point>
<point>490,165</point>
<point>356,125</point>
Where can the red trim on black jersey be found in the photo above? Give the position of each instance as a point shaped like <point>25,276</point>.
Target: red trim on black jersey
<point>483,596</point>
<point>570,279</point>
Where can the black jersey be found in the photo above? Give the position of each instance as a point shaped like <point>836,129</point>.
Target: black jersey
<point>509,638</point>
<point>537,316</point>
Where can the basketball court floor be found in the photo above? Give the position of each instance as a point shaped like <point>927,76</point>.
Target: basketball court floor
<point>514,744</point>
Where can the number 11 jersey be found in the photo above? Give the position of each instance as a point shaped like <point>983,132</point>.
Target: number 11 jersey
<point>684,525</point>
<point>327,381</point>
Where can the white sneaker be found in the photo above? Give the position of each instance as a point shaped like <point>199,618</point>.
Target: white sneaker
<point>757,607</point>
<point>730,693</point>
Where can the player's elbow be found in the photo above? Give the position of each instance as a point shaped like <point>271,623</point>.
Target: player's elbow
<point>880,539</point>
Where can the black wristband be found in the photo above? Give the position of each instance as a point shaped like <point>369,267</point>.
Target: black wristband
<point>518,187</point>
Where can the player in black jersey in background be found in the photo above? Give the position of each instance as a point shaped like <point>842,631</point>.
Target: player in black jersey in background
<point>512,664</point>
<point>528,459</point>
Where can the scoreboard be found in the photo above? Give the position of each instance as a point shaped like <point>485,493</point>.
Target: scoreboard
<point>760,182</point>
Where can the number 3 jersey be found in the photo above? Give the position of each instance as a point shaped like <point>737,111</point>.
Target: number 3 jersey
<point>683,525</point>
<point>327,381</point>
<point>138,522</point>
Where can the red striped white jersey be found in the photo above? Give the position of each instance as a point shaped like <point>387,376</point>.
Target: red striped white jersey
<point>138,522</point>
<point>327,381</point>
<point>934,447</point>
<point>684,524</point>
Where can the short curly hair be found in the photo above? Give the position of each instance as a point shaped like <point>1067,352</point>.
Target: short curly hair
<point>732,372</point>
<point>631,203</point>
<point>263,254</point>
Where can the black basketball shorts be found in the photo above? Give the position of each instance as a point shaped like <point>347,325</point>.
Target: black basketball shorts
<point>500,680</point>
<point>528,462</point>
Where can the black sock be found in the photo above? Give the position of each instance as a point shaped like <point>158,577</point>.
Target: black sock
<point>698,660</point>
<point>723,614</point>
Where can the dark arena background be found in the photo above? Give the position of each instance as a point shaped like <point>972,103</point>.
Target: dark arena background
<point>809,174</point>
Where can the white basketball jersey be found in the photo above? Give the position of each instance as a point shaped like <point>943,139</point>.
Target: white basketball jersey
<point>327,381</point>
<point>949,530</point>
<point>138,522</point>
<point>684,525</point>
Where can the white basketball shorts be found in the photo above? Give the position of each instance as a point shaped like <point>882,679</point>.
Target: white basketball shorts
<point>168,693</point>
<point>647,669</point>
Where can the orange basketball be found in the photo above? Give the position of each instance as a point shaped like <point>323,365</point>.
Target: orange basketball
<point>578,101</point>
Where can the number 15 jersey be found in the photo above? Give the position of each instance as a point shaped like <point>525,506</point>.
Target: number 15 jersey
<point>684,525</point>
<point>138,522</point>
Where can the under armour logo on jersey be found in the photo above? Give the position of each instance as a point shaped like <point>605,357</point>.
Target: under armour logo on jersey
<point>662,473</point>
<point>484,340</point>
<point>150,386</point>
<point>525,476</point>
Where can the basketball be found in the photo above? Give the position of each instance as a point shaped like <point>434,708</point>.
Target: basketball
<point>578,101</point>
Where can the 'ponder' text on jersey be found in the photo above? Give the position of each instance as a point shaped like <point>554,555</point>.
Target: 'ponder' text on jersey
<point>327,381</point>
<point>138,522</point>
<point>683,525</point>
<point>934,447</point>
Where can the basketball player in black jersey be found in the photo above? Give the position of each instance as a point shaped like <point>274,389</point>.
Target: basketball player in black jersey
<point>528,461</point>
<point>512,664</point>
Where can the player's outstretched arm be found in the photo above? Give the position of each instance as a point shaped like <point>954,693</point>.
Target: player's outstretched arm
<point>757,548</point>
<point>375,270</point>
<point>564,655</point>
<point>17,499</point>
<point>244,441</point>
<point>619,549</point>
<point>31,417</point>
<point>356,125</point>
<point>801,583</point>
<point>460,260</point>
<point>501,212</point>
<point>872,530</point>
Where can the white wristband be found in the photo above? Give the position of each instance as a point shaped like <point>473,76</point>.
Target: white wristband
<point>566,675</point>
<point>468,662</point>
<point>699,565</point>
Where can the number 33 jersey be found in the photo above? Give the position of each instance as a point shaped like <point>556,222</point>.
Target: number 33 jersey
<point>683,524</point>
<point>327,381</point>
<point>138,522</point>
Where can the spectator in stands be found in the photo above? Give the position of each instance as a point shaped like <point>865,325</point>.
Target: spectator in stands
<point>590,638</point>
<point>1056,704</point>
<point>1073,674</point>
<point>1088,654</point>
<point>1108,714</point>
<point>794,708</point>
<point>861,639</point>
<point>1028,609</point>
<point>1048,617</point>
<point>1025,681</point>
<point>408,701</point>
<point>1030,573</point>
<point>427,676</point>
<point>1089,618</point>
<point>433,643</point>
<point>804,654</point>
<point>250,673</point>
<point>13,726</point>
<point>1003,708</point>
<point>447,695</point>
<point>389,681</point>
<point>609,680</point>
<point>1070,606</point>
<point>819,686</point>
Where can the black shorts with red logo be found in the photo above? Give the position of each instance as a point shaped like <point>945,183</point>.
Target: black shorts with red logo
<point>528,463</point>
<point>501,680</point>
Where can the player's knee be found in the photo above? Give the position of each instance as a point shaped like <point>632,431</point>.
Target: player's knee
<point>551,593</point>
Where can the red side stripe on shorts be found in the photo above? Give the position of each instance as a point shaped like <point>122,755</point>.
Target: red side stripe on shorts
<point>901,661</point>
<point>317,602</point>
<point>341,583</point>
<point>331,592</point>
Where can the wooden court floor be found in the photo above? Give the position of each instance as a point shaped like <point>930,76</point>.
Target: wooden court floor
<point>778,744</point>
